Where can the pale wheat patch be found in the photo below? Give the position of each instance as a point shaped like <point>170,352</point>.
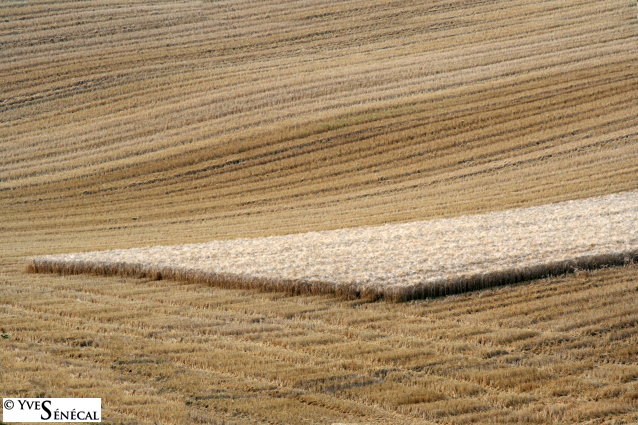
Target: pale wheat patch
<point>395,261</point>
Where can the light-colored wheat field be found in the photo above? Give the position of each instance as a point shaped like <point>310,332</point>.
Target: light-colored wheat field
<point>127,124</point>
<point>398,261</point>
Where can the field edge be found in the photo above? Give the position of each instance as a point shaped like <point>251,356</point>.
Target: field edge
<point>429,289</point>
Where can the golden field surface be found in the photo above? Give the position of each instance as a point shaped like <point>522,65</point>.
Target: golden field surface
<point>126,124</point>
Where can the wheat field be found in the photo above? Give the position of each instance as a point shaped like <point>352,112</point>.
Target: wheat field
<point>128,124</point>
<point>398,262</point>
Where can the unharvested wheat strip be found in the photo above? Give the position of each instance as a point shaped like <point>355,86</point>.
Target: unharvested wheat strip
<point>398,261</point>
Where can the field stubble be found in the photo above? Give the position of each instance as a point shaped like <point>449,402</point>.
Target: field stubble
<point>133,123</point>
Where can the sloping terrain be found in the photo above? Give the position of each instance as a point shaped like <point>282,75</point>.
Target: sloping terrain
<point>126,124</point>
<point>241,119</point>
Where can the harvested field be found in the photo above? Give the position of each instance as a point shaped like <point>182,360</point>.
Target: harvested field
<point>134,123</point>
<point>396,262</point>
<point>241,120</point>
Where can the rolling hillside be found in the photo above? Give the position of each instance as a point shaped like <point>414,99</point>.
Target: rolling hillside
<point>226,120</point>
<point>127,124</point>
